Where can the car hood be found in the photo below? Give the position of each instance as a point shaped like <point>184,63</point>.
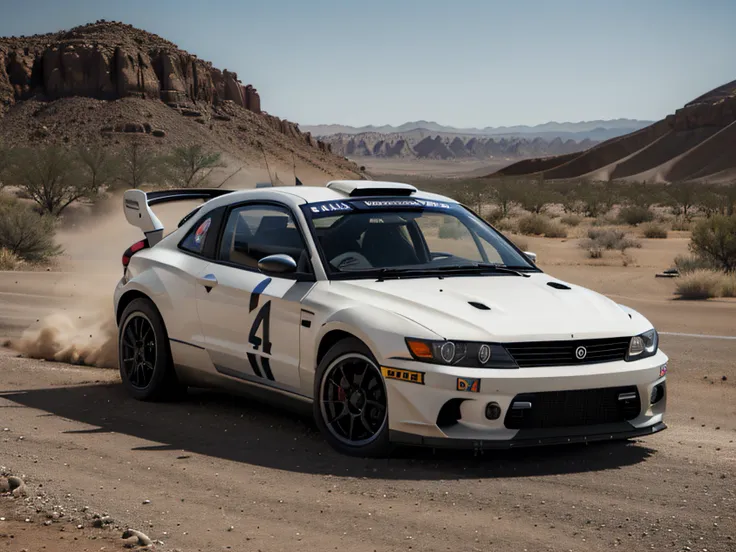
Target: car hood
<point>507,308</point>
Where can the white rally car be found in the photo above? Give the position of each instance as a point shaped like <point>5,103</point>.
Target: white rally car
<point>398,315</point>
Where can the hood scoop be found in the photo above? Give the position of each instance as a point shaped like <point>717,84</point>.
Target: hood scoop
<point>479,306</point>
<point>558,285</point>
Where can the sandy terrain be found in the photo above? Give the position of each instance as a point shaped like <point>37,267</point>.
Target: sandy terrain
<point>224,473</point>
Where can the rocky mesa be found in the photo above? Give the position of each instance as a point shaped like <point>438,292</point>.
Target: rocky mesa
<point>116,63</point>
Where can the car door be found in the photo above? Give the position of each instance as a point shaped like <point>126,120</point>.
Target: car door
<point>251,320</point>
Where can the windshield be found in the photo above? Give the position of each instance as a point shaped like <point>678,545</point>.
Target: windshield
<point>364,238</point>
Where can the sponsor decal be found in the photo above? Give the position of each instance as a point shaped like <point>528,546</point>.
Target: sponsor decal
<point>662,370</point>
<point>403,375</point>
<point>329,207</point>
<point>132,204</point>
<point>469,385</point>
<point>434,204</point>
<point>392,203</point>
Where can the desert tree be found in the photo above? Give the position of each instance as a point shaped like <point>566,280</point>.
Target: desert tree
<point>50,176</point>
<point>683,196</point>
<point>503,194</point>
<point>26,234</point>
<point>535,195</point>
<point>98,164</point>
<point>139,165</point>
<point>596,198</point>
<point>191,165</point>
<point>714,239</point>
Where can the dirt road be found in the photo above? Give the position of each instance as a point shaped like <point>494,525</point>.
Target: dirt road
<point>223,473</point>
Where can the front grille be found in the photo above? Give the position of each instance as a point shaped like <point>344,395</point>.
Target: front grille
<point>552,409</point>
<point>562,353</point>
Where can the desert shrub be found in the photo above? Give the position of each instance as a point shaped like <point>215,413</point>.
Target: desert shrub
<point>689,263</point>
<point>654,230</point>
<point>506,225</point>
<point>592,248</point>
<point>452,230</point>
<point>539,225</point>
<point>634,215</point>
<point>699,284</point>
<point>26,234</point>
<point>612,238</point>
<point>714,239</point>
<point>571,219</point>
<point>604,220</point>
<point>9,260</point>
<point>191,165</point>
<point>728,286</point>
<point>495,215</point>
<point>681,225</point>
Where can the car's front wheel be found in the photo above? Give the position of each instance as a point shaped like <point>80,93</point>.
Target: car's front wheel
<point>145,361</point>
<point>350,402</point>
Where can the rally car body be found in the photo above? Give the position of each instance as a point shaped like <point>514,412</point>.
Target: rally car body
<point>467,348</point>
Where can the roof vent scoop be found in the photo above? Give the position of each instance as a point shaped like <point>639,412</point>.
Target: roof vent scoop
<point>357,188</point>
<point>558,285</point>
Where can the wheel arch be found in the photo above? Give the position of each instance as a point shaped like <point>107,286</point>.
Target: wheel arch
<point>332,338</point>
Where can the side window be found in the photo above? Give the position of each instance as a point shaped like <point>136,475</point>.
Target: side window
<point>256,231</point>
<point>195,240</point>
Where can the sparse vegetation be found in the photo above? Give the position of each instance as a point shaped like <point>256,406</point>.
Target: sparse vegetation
<point>192,165</point>
<point>51,177</point>
<point>699,284</point>
<point>654,230</point>
<point>139,165</point>
<point>634,214</point>
<point>689,263</point>
<point>25,234</point>
<point>540,225</point>
<point>714,240</point>
<point>571,219</point>
<point>99,166</point>
<point>612,239</point>
<point>728,286</point>
<point>9,260</point>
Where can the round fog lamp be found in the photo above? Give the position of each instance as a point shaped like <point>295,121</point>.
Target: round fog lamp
<point>493,411</point>
<point>447,351</point>
<point>484,354</point>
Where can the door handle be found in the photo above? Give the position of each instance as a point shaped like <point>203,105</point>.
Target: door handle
<point>208,281</point>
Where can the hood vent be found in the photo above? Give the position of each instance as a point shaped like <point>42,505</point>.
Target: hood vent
<point>479,306</point>
<point>558,285</point>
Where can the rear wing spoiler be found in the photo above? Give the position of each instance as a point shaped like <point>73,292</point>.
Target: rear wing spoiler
<point>137,206</point>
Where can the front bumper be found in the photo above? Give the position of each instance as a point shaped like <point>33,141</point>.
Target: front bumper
<point>415,402</point>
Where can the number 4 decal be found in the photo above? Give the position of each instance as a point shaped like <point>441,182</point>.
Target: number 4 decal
<point>263,317</point>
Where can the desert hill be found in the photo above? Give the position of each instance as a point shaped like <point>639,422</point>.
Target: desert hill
<point>695,143</point>
<point>425,144</point>
<point>110,82</point>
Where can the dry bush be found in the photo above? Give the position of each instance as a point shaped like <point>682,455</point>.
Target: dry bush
<point>593,249</point>
<point>539,225</point>
<point>612,238</point>
<point>26,234</point>
<point>634,215</point>
<point>699,284</point>
<point>571,220</point>
<point>715,239</point>
<point>689,263</point>
<point>9,260</point>
<point>493,216</point>
<point>728,286</point>
<point>506,225</point>
<point>681,225</point>
<point>653,230</point>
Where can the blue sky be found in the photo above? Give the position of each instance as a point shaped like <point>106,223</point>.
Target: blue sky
<point>462,62</point>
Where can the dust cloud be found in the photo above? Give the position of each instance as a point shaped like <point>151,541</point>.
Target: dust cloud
<point>73,306</point>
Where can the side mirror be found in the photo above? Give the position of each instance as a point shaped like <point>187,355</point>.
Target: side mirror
<point>277,264</point>
<point>532,256</point>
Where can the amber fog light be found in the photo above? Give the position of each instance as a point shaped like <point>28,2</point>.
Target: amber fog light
<point>657,393</point>
<point>493,411</point>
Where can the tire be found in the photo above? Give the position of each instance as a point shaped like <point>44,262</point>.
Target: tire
<point>359,402</point>
<point>146,366</point>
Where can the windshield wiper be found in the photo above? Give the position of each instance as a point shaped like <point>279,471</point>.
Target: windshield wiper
<point>475,268</point>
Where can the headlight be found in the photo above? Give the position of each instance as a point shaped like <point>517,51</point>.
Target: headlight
<point>643,346</point>
<point>461,353</point>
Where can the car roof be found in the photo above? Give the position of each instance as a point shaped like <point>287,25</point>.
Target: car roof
<point>336,190</point>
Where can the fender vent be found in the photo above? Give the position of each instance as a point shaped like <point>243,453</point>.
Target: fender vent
<point>558,285</point>
<point>479,306</point>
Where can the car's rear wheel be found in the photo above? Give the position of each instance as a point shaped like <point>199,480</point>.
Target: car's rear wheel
<point>145,361</point>
<point>351,406</point>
